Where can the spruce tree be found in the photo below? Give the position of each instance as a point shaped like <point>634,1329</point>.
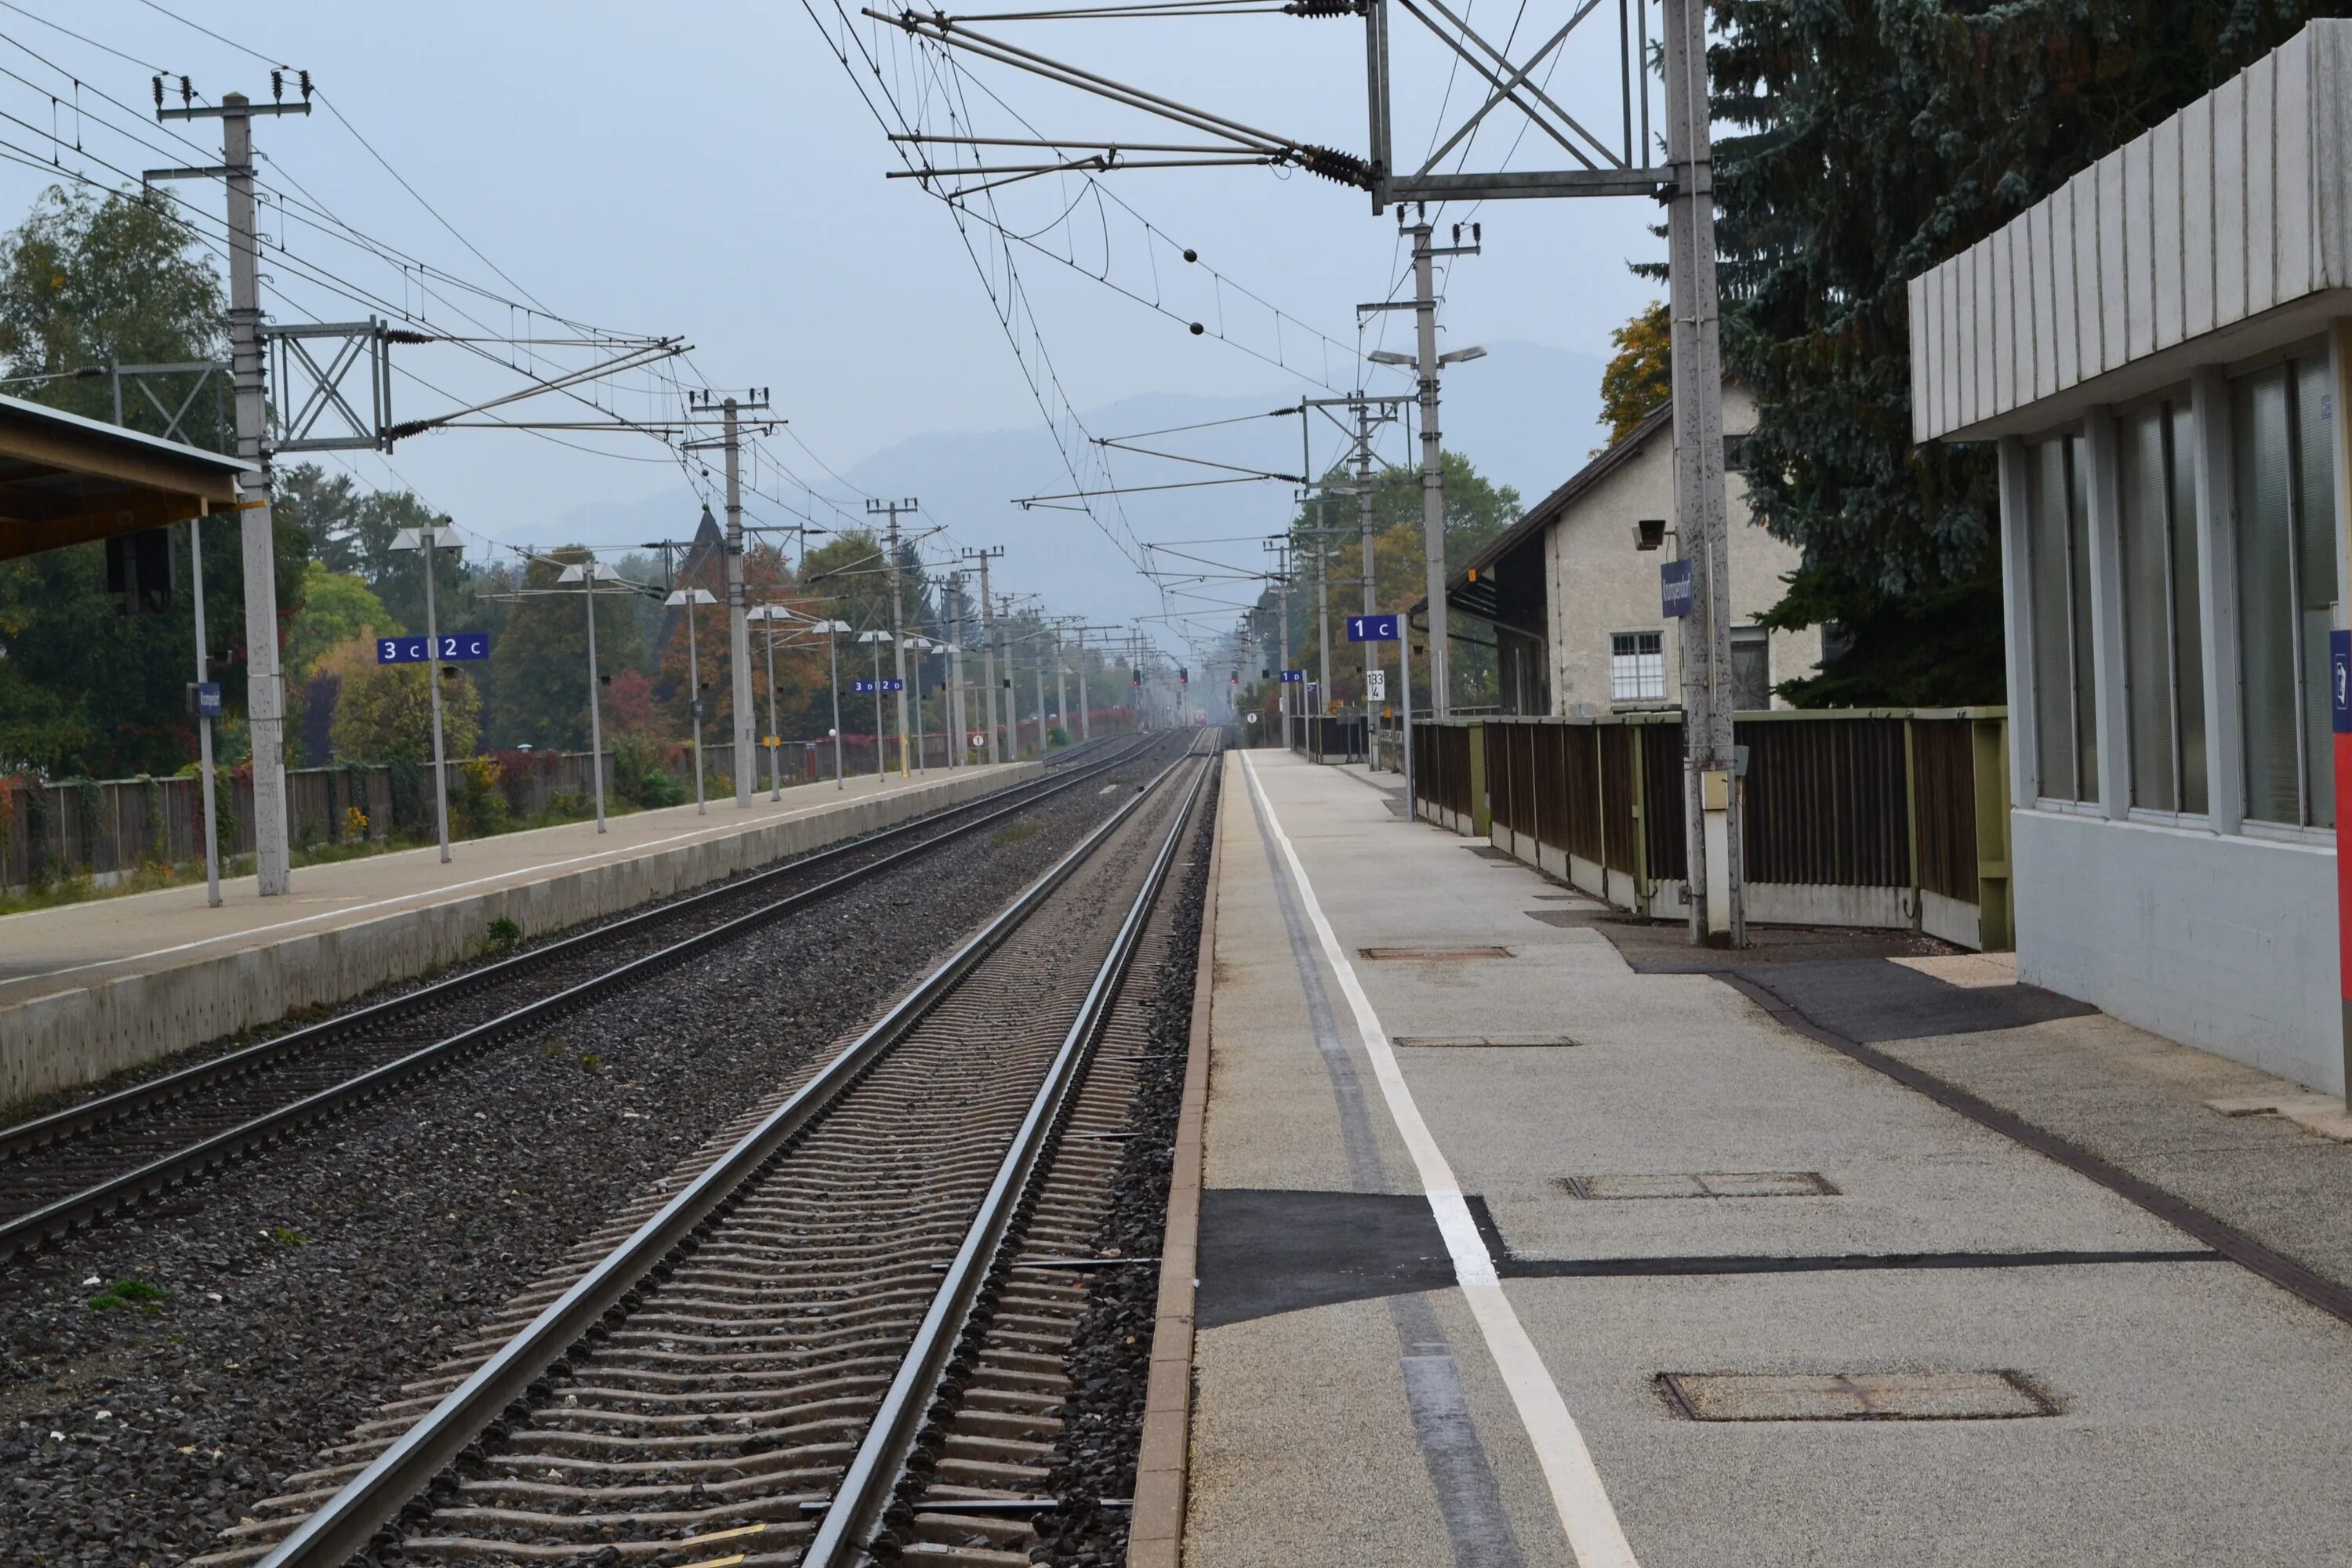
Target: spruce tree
<point>1874,139</point>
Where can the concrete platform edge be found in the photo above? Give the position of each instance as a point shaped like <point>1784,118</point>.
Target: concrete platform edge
<point>1156,1526</point>
<point>69,1039</point>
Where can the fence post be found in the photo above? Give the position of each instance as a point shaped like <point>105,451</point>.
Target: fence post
<point>1911,818</point>
<point>1481,813</point>
<point>1988,752</point>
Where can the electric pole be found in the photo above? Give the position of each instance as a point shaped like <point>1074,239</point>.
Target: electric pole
<point>898,643</point>
<point>1713,787</point>
<point>988,638</point>
<point>264,684</point>
<point>1061,683</point>
<point>1364,530</point>
<point>739,629</point>
<point>959,751</point>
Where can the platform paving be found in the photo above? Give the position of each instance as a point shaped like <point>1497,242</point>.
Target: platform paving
<point>1359,1397</point>
<point>89,988</point>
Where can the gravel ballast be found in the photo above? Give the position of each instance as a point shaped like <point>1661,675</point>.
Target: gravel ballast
<point>162,1371</point>
<point>1109,1362</point>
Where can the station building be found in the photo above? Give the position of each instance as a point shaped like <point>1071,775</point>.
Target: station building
<point>1570,591</point>
<point>2161,349</point>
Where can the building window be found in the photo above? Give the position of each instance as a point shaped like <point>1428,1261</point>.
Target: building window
<point>1751,670</point>
<point>2164,656</point>
<point>1637,667</point>
<point>2286,588</point>
<point>2058,547</point>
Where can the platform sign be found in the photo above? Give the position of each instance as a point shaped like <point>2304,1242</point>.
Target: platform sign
<point>862,686</point>
<point>1371,628</point>
<point>1294,675</point>
<point>413,650</point>
<point>2339,679</point>
<point>1674,588</point>
<point>890,685</point>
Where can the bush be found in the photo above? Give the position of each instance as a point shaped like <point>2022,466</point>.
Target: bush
<point>641,774</point>
<point>479,804</point>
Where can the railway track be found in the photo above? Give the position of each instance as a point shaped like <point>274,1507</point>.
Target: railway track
<point>844,1317</point>
<point>71,1169</point>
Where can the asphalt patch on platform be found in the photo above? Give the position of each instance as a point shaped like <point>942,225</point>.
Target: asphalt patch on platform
<point>1871,1000</point>
<point>1266,1252</point>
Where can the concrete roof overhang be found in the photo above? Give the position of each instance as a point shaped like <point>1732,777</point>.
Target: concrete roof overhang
<point>65,480</point>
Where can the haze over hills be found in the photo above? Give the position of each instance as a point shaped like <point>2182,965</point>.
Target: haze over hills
<point>1527,414</point>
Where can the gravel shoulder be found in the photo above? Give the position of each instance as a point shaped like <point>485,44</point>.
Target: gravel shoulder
<point>259,1315</point>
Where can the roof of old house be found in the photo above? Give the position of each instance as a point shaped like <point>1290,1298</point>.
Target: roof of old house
<point>1494,588</point>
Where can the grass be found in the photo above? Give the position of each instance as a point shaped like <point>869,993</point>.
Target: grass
<point>502,937</point>
<point>136,1294</point>
<point>1015,832</point>
<point>284,1236</point>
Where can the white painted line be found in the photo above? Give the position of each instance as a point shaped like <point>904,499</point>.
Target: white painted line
<point>519,875</point>
<point>1576,1494</point>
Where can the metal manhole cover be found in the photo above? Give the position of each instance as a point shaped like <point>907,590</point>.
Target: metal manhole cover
<point>1854,1395</point>
<point>1505,1040</point>
<point>1430,954</point>
<point>1703,1184</point>
<point>1488,852</point>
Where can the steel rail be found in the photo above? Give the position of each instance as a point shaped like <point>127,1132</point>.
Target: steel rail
<point>30,1229</point>
<point>371,1499</point>
<point>875,1473</point>
<point>27,1136</point>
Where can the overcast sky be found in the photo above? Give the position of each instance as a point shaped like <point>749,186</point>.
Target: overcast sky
<point>710,171</point>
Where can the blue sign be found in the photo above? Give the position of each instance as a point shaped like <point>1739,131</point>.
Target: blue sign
<point>208,701</point>
<point>890,685</point>
<point>2339,679</point>
<point>413,650</point>
<point>1674,588</point>
<point>1371,628</point>
<point>866,685</point>
<point>1294,675</point>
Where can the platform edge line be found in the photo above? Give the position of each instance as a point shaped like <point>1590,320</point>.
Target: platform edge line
<point>1580,1499</point>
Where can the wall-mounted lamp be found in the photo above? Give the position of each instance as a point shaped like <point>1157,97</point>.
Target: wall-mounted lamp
<point>1650,533</point>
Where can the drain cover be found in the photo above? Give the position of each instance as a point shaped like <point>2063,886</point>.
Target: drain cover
<point>1704,1184</point>
<point>1854,1395</point>
<point>1486,1040</point>
<point>1430,954</point>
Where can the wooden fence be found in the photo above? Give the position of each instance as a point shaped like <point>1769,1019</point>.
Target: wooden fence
<point>1870,817</point>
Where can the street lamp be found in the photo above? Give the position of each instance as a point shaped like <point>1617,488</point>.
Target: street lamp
<point>923,647</point>
<point>877,638</point>
<point>832,655</point>
<point>688,598</point>
<point>425,542</point>
<point>588,575</point>
<point>772,614</point>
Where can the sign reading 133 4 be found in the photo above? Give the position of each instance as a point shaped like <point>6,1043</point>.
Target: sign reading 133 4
<point>414,650</point>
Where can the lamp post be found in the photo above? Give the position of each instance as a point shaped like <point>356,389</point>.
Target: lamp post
<point>877,638</point>
<point>425,542</point>
<point>833,657</point>
<point>924,648</point>
<point>770,615</point>
<point>588,576</point>
<point>688,598</point>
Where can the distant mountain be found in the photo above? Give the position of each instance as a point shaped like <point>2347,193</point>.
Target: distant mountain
<point>1527,414</point>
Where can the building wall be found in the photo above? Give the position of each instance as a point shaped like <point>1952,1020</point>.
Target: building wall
<point>2245,965</point>
<point>2220,221</point>
<point>1600,583</point>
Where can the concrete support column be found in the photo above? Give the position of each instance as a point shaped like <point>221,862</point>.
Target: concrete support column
<point>2017,622</point>
<point>2216,606</point>
<point>2110,704</point>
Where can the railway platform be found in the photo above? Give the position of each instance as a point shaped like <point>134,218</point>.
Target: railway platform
<point>89,989</point>
<point>1528,1235</point>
